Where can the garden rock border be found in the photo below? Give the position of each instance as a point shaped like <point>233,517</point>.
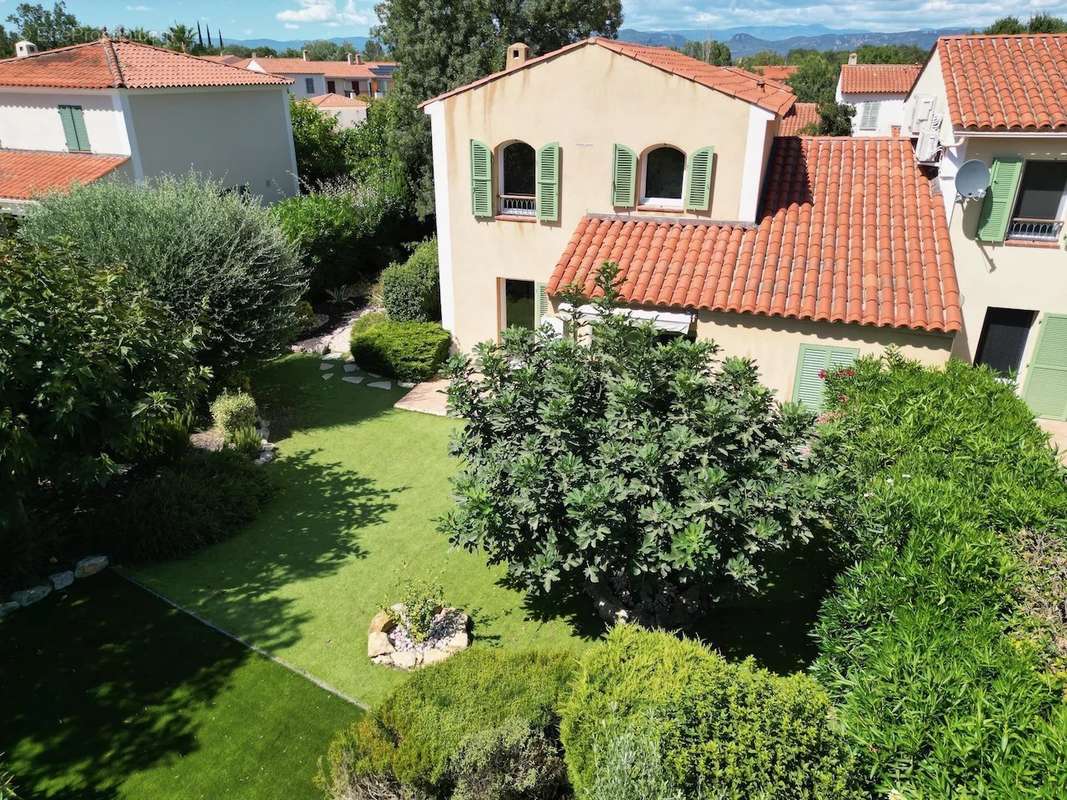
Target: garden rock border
<point>388,645</point>
<point>83,568</point>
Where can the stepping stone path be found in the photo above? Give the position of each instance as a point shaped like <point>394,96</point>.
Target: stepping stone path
<point>350,367</point>
<point>350,379</point>
<point>381,384</point>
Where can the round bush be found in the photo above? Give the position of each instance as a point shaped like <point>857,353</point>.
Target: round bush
<point>411,291</point>
<point>409,351</point>
<point>234,411</point>
<point>727,729</point>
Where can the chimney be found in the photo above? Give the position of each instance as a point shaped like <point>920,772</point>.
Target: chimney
<point>305,54</point>
<point>349,57</point>
<point>894,131</point>
<point>852,59</point>
<point>517,55</point>
<point>24,48</point>
<point>359,58</point>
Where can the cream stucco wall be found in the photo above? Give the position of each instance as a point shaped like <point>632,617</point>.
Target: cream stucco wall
<point>774,343</point>
<point>587,99</point>
<point>242,137</point>
<point>29,120</point>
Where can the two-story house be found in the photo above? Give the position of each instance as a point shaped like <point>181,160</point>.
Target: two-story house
<point>800,252</point>
<point>113,106</point>
<point>353,77</point>
<point>877,92</point>
<point>1002,101</point>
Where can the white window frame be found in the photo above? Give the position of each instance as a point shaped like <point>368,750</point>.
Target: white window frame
<point>662,202</point>
<point>1061,210</point>
<point>874,108</point>
<point>500,203</point>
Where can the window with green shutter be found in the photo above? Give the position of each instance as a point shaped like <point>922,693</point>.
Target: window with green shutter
<point>1046,381</point>
<point>73,120</point>
<point>481,179</point>
<point>698,186</point>
<point>548,182</point>
<point>544,306</point>
<point>813,363</point>
<point>999,199</point>
<point>623,177</point>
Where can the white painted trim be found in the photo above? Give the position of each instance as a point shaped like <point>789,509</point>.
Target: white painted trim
<point>436,111</point>
<point>292,144</point>
<point>752,173</point>
<point>953,158</point>
<point>670,321</point>
<point>122,104</point>
<point>1010,134</point>
<point>251,87</point>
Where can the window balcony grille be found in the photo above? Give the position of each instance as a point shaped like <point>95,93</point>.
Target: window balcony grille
<point>518,205</point>
<point>1035,230</point>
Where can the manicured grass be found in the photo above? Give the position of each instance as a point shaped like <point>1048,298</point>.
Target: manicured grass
<point>107,692</point>
<point>361,487</point>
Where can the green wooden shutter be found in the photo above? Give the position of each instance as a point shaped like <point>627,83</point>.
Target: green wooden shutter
<point>623,177</point>
<point>481,179</point>
<point>74,128</point>
<point>808,385</point>
<point>698,187</point>
<point>542,306</point>
<point>548,182</point>
<point>1046,382</point>
<point>1000,199</point>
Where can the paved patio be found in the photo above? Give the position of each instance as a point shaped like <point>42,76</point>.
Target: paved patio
<point>427,397</point>
<point>1058,430</point>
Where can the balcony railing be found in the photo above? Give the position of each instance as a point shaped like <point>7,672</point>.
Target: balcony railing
<point>518,205</point>
<point>1035,230</point>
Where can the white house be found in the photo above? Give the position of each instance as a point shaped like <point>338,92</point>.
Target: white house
<point>877,91</point>
<point>115,106</point>
<point>349,111</point>
<point>350,78</point>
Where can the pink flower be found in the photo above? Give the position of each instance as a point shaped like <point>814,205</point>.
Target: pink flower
<point>822,374</point>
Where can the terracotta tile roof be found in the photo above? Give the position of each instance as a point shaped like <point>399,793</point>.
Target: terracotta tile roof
<point>24,174</point>
<point>1010,83</point>
<point>118,64</point>
<point>224,59</point>
<point>331,69</point>
<point>776,72</point>
<point>799,118</point>
<point>878,78</point>
<point>734,81</point>
<point>337,101</point>
<point>850,231</point>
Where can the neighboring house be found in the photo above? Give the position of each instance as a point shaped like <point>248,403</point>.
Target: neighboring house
<point>78,113</point>
<point>1002,100</point>
<point>349,111</point>
<point>877,91</point>
<point>802,119</point>
<point>353,77</point>
<point>801,253</point>
<point>777,72</point>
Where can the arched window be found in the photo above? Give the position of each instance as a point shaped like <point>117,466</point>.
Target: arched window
<point>518,192</point>
<point>662,177</point>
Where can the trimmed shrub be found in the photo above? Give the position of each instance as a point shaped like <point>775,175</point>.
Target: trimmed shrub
<point>204,498</point>
<point>369,320</point>
<point>629,765</point>
<point>512,762</point>
<point>413,739</point>
<point>925,645</point>
<point>411,291</point>
<point>409,351</point>
<point>729,730</point>
<point>214,257</point>
<point>233,411</point>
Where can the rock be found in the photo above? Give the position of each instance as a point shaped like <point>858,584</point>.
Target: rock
<point>331,357</point>
<point>378,644</point>
<point>351,379</point>
<point>61,580</point>
<point>350,367</point>
<point>460,640</point>
<point>327,375</point>
<point>90,566</point>
<point>27,597</point>
<point>434,656</point>
<point>382,623</point>
<point>7,608</point>
<point>265,456</point>
<point>327,365</point>
<point>406,384</point>
<point>405,659</point>
<point>381,384</point>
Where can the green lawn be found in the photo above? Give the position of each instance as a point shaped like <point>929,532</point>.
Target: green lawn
<point>361,487</point>
<point>107,692</point>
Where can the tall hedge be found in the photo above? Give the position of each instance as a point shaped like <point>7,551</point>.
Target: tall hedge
<point>724,729</point>
<point>936,669</point>
<point>411,291</point>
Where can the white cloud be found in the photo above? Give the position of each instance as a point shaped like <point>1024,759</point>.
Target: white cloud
<point>138,8</point>
<point>290,26</point>
<point>326,12</point>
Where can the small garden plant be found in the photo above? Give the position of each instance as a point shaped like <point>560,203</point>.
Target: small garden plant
<point>422,601</point>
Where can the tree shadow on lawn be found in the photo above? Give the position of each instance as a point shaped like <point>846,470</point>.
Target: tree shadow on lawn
<point>97,684</point>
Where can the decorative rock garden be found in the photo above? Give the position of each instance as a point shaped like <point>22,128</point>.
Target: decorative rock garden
<point>389,641</point>
<point>86,567</point>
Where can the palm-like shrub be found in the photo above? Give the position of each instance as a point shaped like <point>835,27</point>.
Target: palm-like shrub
<point>214,257</point>
<point>652,471</point>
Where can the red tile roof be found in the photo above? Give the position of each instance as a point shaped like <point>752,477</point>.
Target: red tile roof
<point>850,231</point>
<point>776,72</point>
<point>24,174</point>
<point>734,81</point>
<point>799,119</point>
<point>337,101</point>
<point>1009,83</point>
<point>116,64</point>
<point>332,69</point>
<point>878,78</point>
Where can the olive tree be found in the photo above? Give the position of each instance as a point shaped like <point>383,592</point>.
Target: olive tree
<point>654,474</point>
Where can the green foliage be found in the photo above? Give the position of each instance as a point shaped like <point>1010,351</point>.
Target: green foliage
<point>92,375</point>
<point>368,321</point>
<point>7,783</point>
<point>50,28</point>
<point>213,257</point>
<point>920,645</point>
<point>339,233</point>
<point>408,351</point>
<point>890,54</point>
<point>305,316</point>
<point>652,470</point>
<point>179,37</point>
<point>447,712</point>
<point>515,761</point>
<point>764,58</point>
<point>412,290</point>
<point>835,119</point>
<point>422,599</point>
<point>178,509</point>
<point>726,729</point>
<point>629,764</point>
<point>711,51</point>
<point>233,411</point>
<point>815,80</point>
<point>320,144</point>
<point>246,441</point>
<point>1039,23</point>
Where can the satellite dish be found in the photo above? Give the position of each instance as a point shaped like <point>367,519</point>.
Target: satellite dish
<point>972,180</point>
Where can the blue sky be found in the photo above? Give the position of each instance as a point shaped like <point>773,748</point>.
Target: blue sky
<point>299,19</point>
